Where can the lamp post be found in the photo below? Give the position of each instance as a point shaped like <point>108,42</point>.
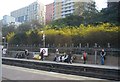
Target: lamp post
<point>43,38</point>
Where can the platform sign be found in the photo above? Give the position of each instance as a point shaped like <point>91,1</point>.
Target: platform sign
<point>45,51</point>
<point>0,63</point>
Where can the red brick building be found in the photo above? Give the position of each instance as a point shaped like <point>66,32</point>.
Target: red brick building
<point>49,12</point>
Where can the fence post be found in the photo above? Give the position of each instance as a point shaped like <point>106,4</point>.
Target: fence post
<point>53,45</point>
<point>95,56</point>
<point>65,44</point>
<point>80,45</point>
<point>48,45</point>
<point>72,45</point>
<point>95,44</point>
<point>59,45</point>
<point>31,47</point>
<point>39,45</point>
<point>108,45</point>
<point>87,45</point>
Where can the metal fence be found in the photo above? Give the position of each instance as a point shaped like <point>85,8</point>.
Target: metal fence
<point>72,46</point>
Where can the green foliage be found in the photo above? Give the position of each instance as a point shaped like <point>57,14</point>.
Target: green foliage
<point>8,29</point>
<point>34,38</point>
<point>23,27</point>
<point>10,36</point>
<point>72,20</point>
<point>22,33</point>
<point>110,14</point>
<point>19,38</point>
<point>101,34</point>
<point>87,10</point>
<point>28,26</point>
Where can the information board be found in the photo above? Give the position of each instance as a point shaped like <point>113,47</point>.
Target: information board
<point>45,51</point>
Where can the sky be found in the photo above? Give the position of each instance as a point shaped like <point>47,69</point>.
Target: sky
<point>7,6</point>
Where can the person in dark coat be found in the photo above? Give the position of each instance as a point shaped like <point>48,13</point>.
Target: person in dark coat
<point>42,55</point>
<point>70,58</point>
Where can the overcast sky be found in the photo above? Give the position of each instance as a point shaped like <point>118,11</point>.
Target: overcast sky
<point>6,6</point>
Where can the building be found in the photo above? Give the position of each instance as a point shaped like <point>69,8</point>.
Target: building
<point>9,20</point>
<point>63,8</point>
<point>49,12</point>
<point>34,11</point>
<point>57,9</point>
<point>67,7</point>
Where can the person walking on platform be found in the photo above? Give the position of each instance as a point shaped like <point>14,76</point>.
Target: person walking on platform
<point>84,57</point>
<point>26,54</point>
<point>42,55</point>
<point>102,54</point>
<point>57,56</point>
<point>70,58</point>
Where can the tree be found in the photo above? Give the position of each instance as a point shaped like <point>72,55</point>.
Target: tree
<point>19,38</point>
<point>71,20</point>
<point>87,10</point>
<point>8,29</point>
<point>34,24</point>
<point>110,14</point>
<point>24,27</point>
<point>34,38</point>
<point>58,23</point>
